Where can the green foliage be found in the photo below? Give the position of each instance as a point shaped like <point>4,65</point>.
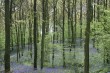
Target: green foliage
<point>2,41</point>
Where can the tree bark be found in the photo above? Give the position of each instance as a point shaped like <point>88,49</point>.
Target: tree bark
<point>35,35</point>
<point>87,36</point>
<point>43,32</point>
<point>7,37</point>
<point>63,35</point>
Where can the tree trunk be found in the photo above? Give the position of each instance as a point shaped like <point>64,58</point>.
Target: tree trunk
<point>43,32</point>
<point>69,24</point>
<point>81,23</point>
<point>35,36</point>
<point>7,37</point>
<point>63,31</point>
<point>87,36</point>
<point>75,1</point>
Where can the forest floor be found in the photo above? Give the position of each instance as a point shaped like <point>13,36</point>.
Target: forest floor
<point>25,68</point>
<point>19,68</point>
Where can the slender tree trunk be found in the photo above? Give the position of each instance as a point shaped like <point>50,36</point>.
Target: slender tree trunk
<point>11,28</point>
<point>75,1</point>
<point>87,36</point>
<point>47,17</point>
<point>80,22</point>
<point>54,26</point>
<point>69,24</point>
<point>98,10</point>
<point>94,23</point>
<point>30,38</point>
<point>43,33</point>
<point>17,40</point>
<point>72,25</point>
<point>47,31</point>
<point>63,35</point>
<point>106,54</point>
<point>24,30</point>
<point>30,32</point>
<point>35,35</point>
<point>7,37</point>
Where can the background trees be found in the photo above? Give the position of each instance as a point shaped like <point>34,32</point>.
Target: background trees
<point>52,33</point>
